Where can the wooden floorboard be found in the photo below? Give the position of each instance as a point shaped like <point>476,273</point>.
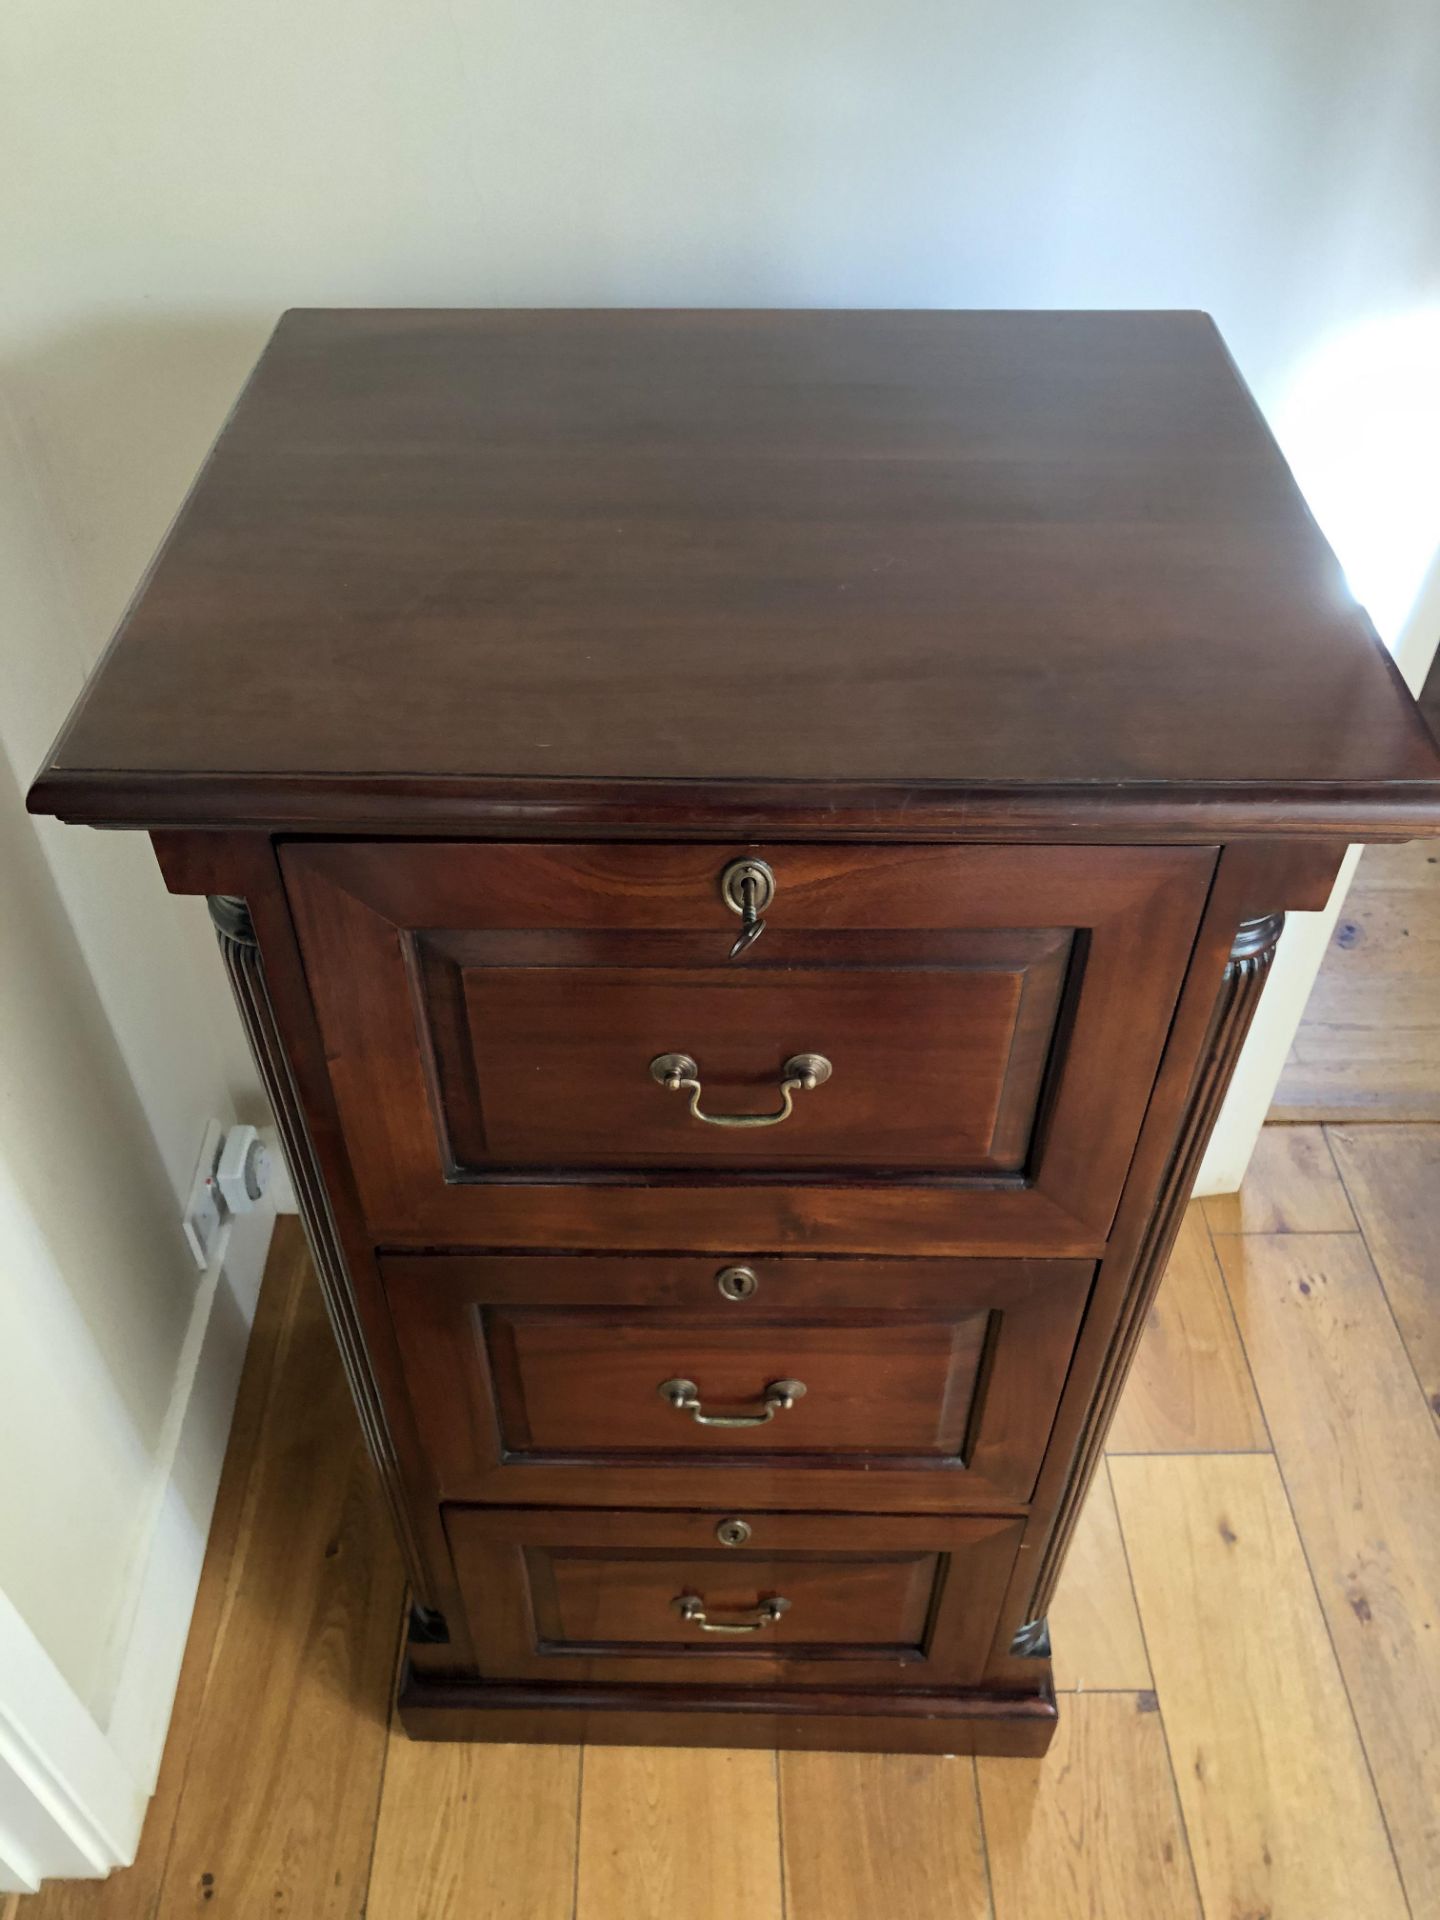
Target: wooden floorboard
<point>134,1892</point>
<point>476,1833</point>
<point>666,1832</point>
<point>1368,1047</point>
<point>1279,1807</point>
<point>1393,1178</point>
<point>282,1784</point>
<point>271,1782</point>
<point>1094,1829</point>
<point>1292,1186</point>
<point>283,1778</point>
<point>1361,1460</point>
<point>1094,1624</point>
<point>869,1834</point>
<point>1189,1390</point>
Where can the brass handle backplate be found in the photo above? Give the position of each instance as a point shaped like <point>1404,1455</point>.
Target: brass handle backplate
<point>691,1608</point>
<point>801,1073</point>
<point>780,1396</point>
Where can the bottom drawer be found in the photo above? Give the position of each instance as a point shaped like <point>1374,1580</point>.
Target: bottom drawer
<point>738,1598</point>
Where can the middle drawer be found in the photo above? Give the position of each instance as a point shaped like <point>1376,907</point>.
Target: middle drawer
<point>866,1384</point>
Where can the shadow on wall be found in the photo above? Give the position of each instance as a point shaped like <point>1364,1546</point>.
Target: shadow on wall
<point>76,1143</point>
<point>113,421</point>
<point>107,426</point>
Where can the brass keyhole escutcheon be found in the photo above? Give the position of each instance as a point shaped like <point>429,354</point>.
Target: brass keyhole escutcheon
<point>747,888</point>
<point>733,1533</point>
<point>737,1283</point>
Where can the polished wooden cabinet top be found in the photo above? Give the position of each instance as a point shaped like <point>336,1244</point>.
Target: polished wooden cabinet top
<point>993,573</point>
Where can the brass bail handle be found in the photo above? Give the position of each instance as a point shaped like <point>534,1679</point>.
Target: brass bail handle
<point>684,1396</point>
<point>691,1608</point>
<point>801,1073</point>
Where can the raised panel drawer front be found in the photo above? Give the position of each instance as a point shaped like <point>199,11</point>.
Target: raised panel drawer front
<point>592,1379</point>
<point>737,1597</point>
<point>934,1048</point>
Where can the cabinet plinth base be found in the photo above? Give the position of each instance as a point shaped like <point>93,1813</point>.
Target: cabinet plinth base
<point>1013,1724</point>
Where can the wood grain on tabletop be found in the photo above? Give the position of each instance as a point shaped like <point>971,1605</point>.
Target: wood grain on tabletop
<point>667,1831</point>
<point>1277,1797</point>
<point>869,1833</point>
<point>1092,1831</point>
<point>1361,1459</point>
<point>739,541</point>
<point>1393,1178</point>
<point>1189,1389</point>
<point>1094,1627</point>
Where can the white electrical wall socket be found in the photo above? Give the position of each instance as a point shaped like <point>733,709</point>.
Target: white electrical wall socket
<point>281,1191</point>
<point>204,1216</point>
<point>232,1175</point>
<point>243,1171</point>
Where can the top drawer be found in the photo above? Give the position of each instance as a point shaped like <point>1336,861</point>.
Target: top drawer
<point>551,1045</point>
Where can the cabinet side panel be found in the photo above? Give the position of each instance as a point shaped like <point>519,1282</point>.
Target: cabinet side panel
<point>1254,884</point>
<point>1240,989</point>
<point>241,952</point>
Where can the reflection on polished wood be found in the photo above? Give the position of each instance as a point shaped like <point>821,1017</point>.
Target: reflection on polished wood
<point>1093,1830</point>
<point>1094,1626</point>
<point>1291,1187</point>
<point>1189,1390</point>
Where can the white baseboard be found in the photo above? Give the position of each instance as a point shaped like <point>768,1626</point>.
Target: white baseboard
<point>76,1777</point>
<point>1303,947</point>
<point>68,1808</point>
<point>147,1666</point>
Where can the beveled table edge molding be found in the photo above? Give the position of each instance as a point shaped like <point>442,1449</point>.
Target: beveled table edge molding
<point>338,805</point>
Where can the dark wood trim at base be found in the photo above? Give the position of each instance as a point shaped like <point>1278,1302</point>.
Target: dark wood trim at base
<point>1015,1725</point>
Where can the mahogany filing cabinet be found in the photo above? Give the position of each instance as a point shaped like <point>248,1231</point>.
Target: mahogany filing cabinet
<point>747,845</point>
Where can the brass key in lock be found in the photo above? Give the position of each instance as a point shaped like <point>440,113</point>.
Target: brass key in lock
<point>748,887</point>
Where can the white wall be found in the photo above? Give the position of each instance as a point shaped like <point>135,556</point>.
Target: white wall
<point>176,171</point>
<point>117,1374</point>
